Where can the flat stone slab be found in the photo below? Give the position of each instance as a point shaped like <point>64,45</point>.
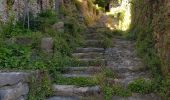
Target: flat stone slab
<point>72,90</point>
<point>88,55</point>
<point>14,92</point>
<point>10,78</point>
<point>82,70</point>
<point>62,98</point>
<point>138,97</point>
<point>84,50</point>
<point>92,43</point>
<point>77,75</point>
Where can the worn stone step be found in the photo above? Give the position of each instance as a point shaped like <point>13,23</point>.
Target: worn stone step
<point>72,90</point>
<point>82,70</point>
<point>92,36</point>
<point>77,75</point>
<point>91,62</point>
<point>136,96</point>
<point>91,49</point>
<point>93,43</point>
<point>88,55</point>
<point>63,98</point>
<point>121,69</point>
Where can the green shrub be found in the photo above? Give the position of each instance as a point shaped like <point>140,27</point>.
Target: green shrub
<point>115,90</point>
<point>108,92</point>
<point>14,57</point>
<point>40,86</point>
<point>141,86</point>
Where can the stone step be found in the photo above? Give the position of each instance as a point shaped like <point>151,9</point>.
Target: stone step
<point>91,62</point>
<point>88,55</point>
<point>72,90</point>
<point>137,96</point>
<point>132,74</point>
<point>121,69</point>
<point>92,36</point>
<point>82,70</point>
<point>63,98</point>
<point>93,43</point>
<point>77,75</point>
<point>91,49</point>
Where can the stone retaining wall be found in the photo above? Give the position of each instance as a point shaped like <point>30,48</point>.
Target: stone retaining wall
<point>17,8</point>
<point>14,85</point>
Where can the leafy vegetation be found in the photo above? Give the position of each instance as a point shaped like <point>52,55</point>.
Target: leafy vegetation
<point>110,91</point>
<point>141,86</point>
<point>143,32</point>
<point>18,56</point>
<point>40,87</point>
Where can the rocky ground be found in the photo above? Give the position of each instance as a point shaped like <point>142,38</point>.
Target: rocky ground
<point>122,59</point>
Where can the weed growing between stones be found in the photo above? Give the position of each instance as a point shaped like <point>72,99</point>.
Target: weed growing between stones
<point>40,86</point>
<point>141,86</point>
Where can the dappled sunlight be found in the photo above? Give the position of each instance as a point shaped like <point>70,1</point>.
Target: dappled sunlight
<point>80,0</point>
<point>109,26</point>
<point>123,14</point>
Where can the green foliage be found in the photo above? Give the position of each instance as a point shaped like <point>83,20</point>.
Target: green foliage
<point>164,89</point>
<point>110,91</point>
<point>101,3</point>
<point>141,86</point>
<point>9,29</point>
<point>40,87</point>
<point>109,73</point>
<point>14,56</point>
<point>107,42</point>
<point>44,20</point>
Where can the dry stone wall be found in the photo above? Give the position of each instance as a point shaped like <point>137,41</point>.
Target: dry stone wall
<point>154,15</point>
<point>14,85</point>
<point>18,8</point>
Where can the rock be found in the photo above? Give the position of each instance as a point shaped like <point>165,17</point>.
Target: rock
<point>13,93</point>
<point>77,75</point>
<point>91,49</point>
<point>63,98</point>
<point>10,40</point>
<point>47,45</point>
<point>10,78</point>
<point>72,90</point>
<point>23,41</point>
<point>138,97</point>
<point>59,26</point>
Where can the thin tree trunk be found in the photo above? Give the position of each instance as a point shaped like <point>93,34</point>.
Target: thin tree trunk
<point>24,20</point>
<point>57,6</point>
<point>26,14</point>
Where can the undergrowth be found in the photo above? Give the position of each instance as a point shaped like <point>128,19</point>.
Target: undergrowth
<point>145,50</point>
<point>18,56</point>
<point>79,81</point>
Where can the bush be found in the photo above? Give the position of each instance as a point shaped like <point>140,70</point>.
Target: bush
<point>141,86</point>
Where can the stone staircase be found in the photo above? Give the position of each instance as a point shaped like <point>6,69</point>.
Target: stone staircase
<point>90,57</point>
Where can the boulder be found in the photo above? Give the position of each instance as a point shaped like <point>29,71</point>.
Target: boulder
<point>10,78</point>
<point>14,92</point>
<point>59,26</point>
<point>23,41</point>
<point>47,45</point>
